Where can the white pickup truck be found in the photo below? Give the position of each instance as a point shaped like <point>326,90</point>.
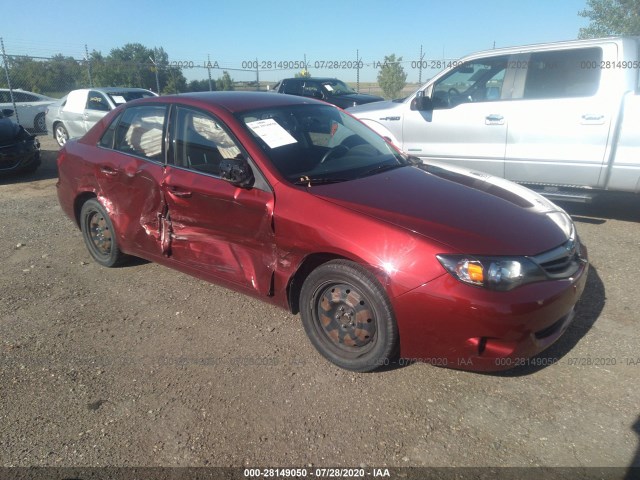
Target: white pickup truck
<point>562,118</point>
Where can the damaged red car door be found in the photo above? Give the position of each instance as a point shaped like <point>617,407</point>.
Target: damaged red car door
<point>217,230</point>
<point>129,170</point>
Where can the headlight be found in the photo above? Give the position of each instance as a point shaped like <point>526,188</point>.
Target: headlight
<point>495,273</point>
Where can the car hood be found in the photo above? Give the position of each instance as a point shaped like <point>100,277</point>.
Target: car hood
<point>359,98</point>
<point>9,131</point>
<point>470,212</point>
<point>368,108</point>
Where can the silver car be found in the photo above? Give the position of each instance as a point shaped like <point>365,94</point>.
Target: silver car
<point>73,115</point>
<point>30,107</point>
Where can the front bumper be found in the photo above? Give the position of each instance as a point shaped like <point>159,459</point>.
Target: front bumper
<point>448,323</point>
<point>19,156</point>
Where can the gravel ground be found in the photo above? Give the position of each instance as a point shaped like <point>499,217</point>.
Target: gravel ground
<point>145,366</point>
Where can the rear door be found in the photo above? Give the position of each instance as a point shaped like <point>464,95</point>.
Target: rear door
<point>559,119</point>
<point>129,171</point>
<point>72,114</point>
<point>97,107</point>
<point>218,231</point>
<point>467,126</point>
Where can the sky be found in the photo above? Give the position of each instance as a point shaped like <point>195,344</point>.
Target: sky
<point>233,34</point>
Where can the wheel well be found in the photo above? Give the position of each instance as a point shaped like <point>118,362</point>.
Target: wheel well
<point>308,265</point>
<point>79,201</point>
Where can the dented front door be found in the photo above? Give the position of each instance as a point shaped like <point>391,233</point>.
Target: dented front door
<point>221,231</point>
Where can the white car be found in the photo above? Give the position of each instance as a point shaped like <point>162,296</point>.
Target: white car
<point>31,107</point>
<point>73,115</point>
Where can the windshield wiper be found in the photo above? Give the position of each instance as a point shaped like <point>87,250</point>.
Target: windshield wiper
<point>383,168</point>
<point>309,181</point>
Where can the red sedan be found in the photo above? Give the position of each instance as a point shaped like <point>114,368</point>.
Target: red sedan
<point>297,203</point>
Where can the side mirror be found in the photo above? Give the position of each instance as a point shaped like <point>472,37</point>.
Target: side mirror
<point>236,171</point>
<point>7,112</point>
<point>421,102</point>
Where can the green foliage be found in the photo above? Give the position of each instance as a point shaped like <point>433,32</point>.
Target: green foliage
<point>611,17</point>
<point>201,85</point>
<point>132,65</point>
<point>60,73</point>
<point>225,82</point>
<point>392,78</point>
<point>304,73</point>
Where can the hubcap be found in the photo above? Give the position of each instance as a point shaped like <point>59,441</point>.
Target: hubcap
<point>61,137</point>
<point>100,234</point>
<point>346,317</point>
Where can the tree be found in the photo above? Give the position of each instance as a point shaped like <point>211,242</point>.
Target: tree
<point>225,82</point>
<point>392,77</point>
<point>55,76</point>
<point>135,65</point>
<point>611,17</point>
<point>304,73</point>
<point>200,85</point>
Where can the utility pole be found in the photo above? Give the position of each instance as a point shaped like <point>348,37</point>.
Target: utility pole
<point>6,71</point>
<point>86,54</point>
<point>153,60</point>
<point>209,71</point>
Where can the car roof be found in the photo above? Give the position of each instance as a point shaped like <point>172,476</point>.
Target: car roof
<point>317,79</point>
<point>236,102</point>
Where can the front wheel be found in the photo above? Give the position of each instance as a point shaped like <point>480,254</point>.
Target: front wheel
<point>348,317</point>
<point>99,235</point>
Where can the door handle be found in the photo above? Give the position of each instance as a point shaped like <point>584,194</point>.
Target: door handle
<point>177,192</point>
<point>494,119</point>
<point>108,170</point>
<point>592,119</point>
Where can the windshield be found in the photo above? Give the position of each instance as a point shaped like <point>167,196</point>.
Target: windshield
<point>124,97</point>
<point>337,87</point>
<point>319,144</point>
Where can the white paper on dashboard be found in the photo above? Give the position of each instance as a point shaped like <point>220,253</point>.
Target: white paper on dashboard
<point>271,132</point>
<point>118,99</point>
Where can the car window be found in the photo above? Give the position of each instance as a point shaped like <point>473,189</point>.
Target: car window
<point>337,87</point>
<point>564,73</point>
<point>125,96</point>
<point>474,81</point>
<point>97,101</point>
<point>109,135</point>
<point>22,97</point>
<point>312,89</point>
<point>201,142</point>
<point>293,87</point>
<point>139,131</point>
<point>319,142</point>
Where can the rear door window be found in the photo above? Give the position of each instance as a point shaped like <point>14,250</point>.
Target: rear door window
<point>139,131</point>
<point>563,73</point>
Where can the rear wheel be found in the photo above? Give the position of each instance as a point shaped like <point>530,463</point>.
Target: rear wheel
<point>99,234</point>
<point>60,133</point>
<point>39,124</point>
<point>348,317</point>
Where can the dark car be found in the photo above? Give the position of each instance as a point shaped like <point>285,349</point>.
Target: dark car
<point>330,90</point>
<point>299,204</point>
<point>19,150</point>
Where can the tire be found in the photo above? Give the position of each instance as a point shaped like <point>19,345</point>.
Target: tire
<point>33,166</point>
<point>348,317</point>
<point>99,235</point>
<point>60,134</point>
<point>39,125</point>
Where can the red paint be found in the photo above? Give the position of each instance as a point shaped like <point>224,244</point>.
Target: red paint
<point>395,222</point>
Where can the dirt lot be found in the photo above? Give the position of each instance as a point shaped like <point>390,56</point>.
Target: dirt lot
<point>144,366</point>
